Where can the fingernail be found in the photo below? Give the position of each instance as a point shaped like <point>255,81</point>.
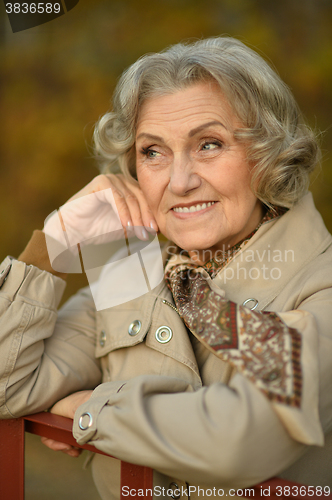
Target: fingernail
<point>153,226</point>
<point>144,234</point>
<point>129,223</point>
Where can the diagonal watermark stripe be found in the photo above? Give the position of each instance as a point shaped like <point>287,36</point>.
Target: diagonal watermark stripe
<point>120,265</point>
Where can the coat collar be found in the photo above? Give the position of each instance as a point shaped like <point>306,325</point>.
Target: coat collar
<point>275,254</point>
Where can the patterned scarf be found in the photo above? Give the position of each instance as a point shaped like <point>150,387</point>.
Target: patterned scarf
<point>258,344</point>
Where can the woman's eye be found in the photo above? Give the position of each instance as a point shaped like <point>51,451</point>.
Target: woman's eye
<point>150,153</point>
<point>208,146</point>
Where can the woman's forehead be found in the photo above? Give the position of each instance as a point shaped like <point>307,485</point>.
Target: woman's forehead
<point>188,108</point>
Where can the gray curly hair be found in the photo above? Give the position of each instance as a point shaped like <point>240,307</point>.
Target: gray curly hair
<point>283,150</point>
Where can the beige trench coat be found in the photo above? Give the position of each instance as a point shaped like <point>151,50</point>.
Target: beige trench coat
<point>174,406</point>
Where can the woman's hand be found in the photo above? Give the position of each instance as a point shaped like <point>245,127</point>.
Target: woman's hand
<point>104,206</point>
<point>67,408</point>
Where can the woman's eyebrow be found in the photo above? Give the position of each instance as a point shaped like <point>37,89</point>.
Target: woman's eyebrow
<point>193,132</point>
<point>204,126</point>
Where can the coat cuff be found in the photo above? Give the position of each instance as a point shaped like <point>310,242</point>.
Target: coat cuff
<point>86,415</point>
<point>19,281</point>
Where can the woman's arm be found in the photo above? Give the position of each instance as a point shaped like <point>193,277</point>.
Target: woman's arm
<point>217,436</point>
<point>44,356</point>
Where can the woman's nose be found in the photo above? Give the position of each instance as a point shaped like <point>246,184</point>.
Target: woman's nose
<point>183,177</point>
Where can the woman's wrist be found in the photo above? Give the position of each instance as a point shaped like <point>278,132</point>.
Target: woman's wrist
<point>36,254</point>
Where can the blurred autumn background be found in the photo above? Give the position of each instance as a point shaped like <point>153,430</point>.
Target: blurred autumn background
<point>58,78</point>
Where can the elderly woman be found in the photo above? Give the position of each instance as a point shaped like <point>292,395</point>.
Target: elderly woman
<point>220,376</point>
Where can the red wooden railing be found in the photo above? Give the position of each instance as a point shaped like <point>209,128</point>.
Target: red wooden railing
<point>55,427</point>
<point>135,476</point>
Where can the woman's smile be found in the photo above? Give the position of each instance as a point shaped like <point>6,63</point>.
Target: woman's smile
<point>192,210</point>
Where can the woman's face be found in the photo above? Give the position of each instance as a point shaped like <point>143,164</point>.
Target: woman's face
<point>193,173</point>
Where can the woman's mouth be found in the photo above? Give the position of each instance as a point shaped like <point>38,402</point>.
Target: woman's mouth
<point>199,207</point>
<point>193,208</point>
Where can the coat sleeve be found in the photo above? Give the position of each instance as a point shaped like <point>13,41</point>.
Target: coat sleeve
<point>44,355</point>
<point>216,436</point>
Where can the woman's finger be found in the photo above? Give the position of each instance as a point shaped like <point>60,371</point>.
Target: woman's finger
<point>128,205</point>
<point>136,216</point>
<point>64,447</point>
<point>148,219</point>
<point>146,214</point>
<point>122,207</point>
<point>55,445</point>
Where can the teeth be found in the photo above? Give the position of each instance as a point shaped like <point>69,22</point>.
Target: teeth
<point>194,208</point>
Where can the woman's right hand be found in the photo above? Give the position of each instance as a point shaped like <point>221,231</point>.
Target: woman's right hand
<point>107,204</point>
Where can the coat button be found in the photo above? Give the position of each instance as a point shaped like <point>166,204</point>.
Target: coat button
<point>102,338</point>
<point>253,303</point>
<point>164,334</point>
<point>176,493</point>
<point>134,327</point>
<point>85,421</point>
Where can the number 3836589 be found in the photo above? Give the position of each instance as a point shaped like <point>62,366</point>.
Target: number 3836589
<point>33,8</point>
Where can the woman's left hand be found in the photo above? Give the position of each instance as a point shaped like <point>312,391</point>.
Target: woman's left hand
<point>67,408</point>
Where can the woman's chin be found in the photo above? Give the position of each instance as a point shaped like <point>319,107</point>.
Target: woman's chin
<point>194,244</point>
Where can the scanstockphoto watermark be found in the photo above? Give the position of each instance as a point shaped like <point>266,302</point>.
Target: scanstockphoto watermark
<point>177,492</point>
<point>281,491</point>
